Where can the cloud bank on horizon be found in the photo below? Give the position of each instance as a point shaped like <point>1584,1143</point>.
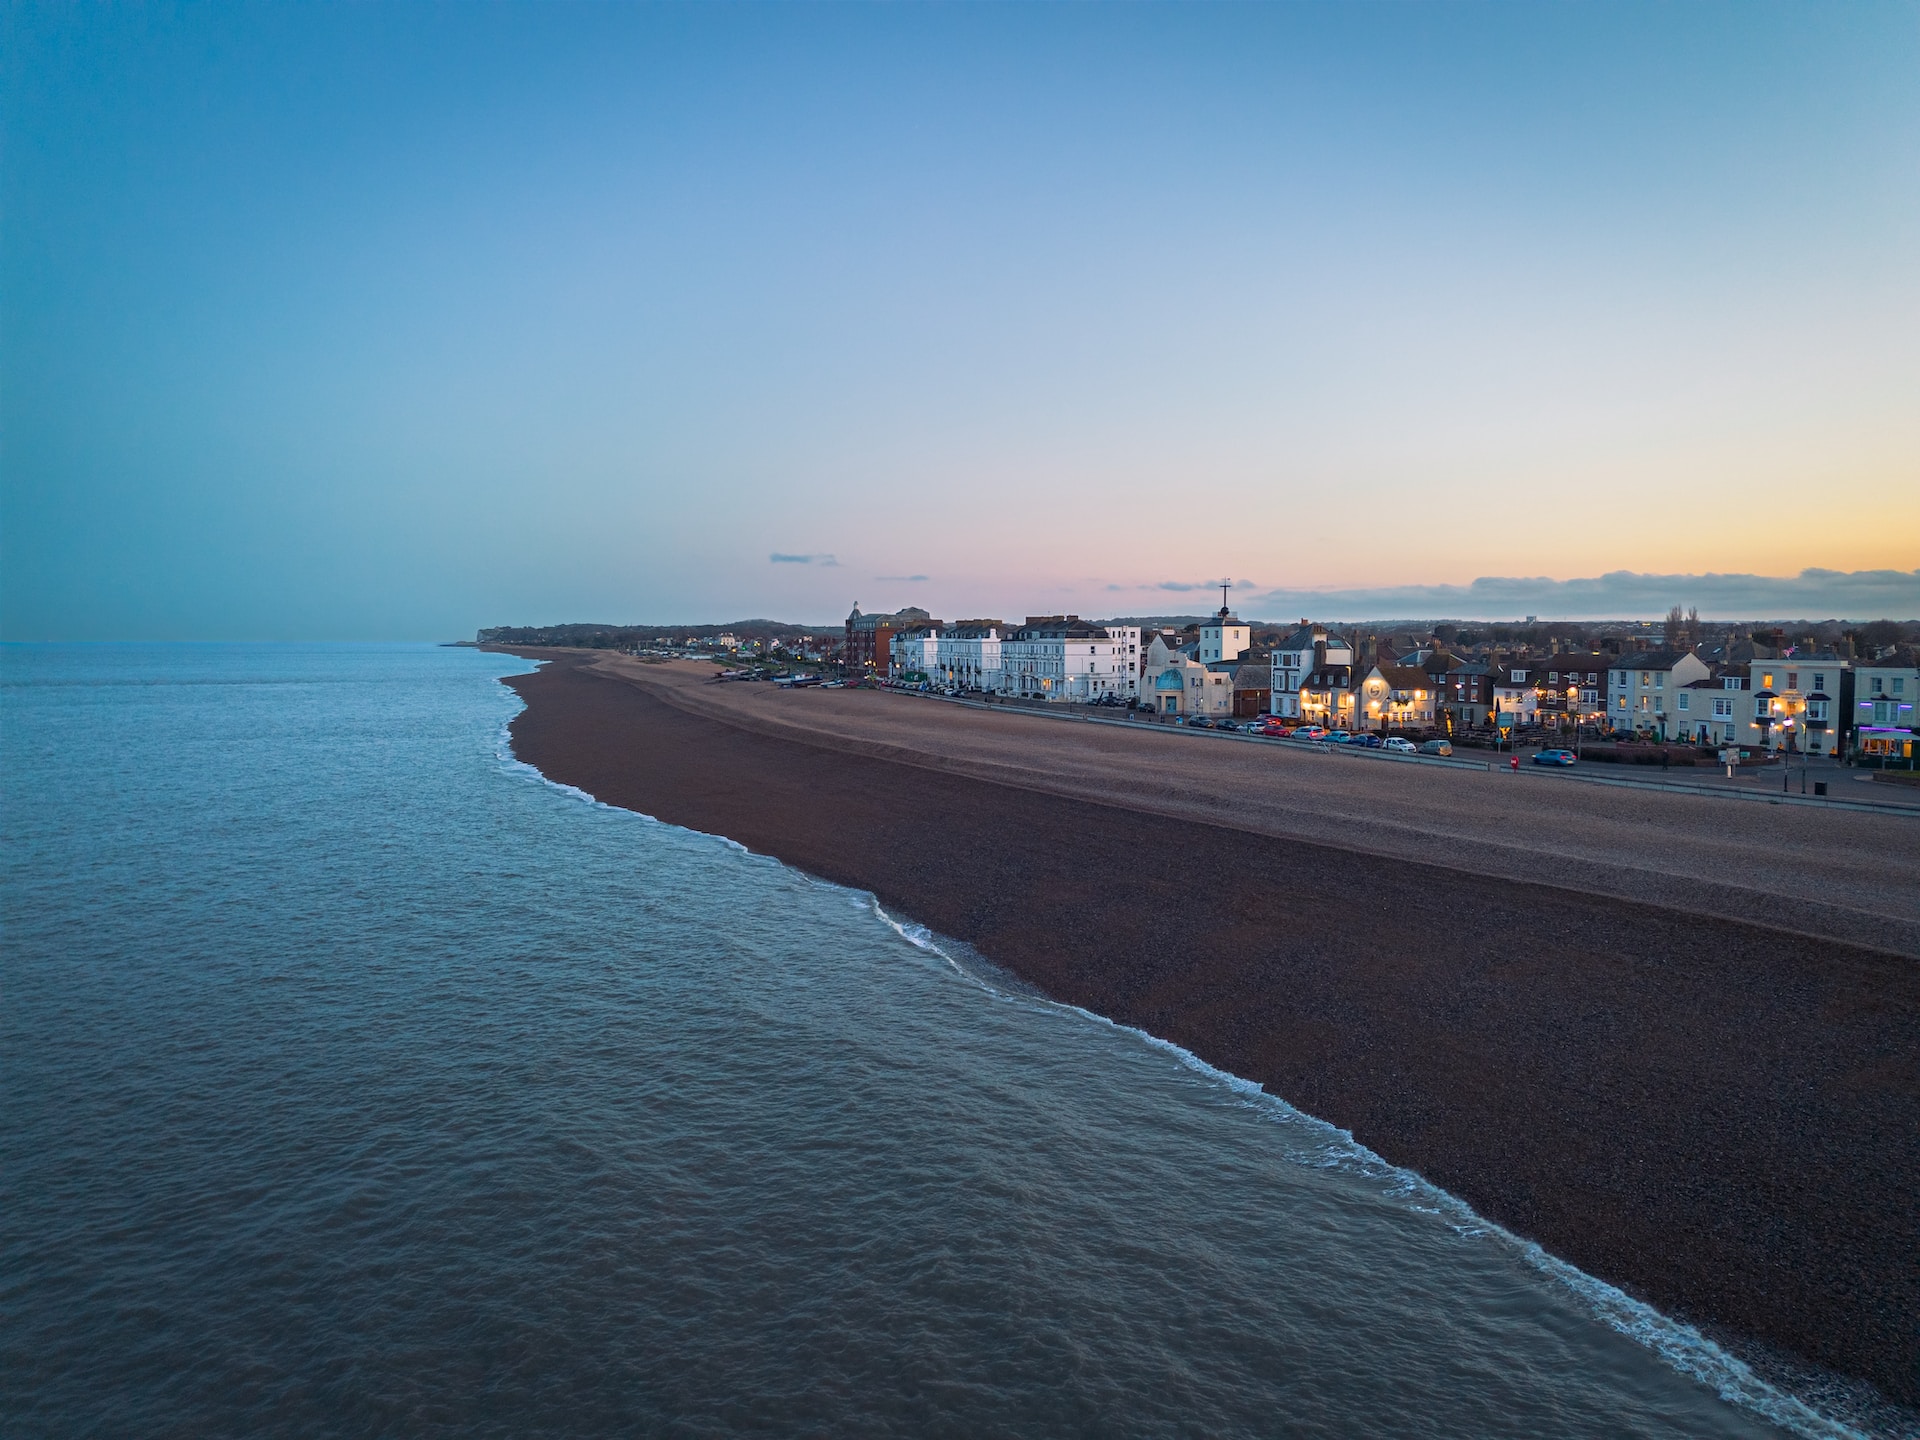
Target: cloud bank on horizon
<point>1813,594</point>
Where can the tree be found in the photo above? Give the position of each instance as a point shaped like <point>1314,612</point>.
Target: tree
<point>1675,636</point>
<point>1880,633</point>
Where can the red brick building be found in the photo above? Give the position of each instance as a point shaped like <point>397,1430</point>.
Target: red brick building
<point>868,649</point>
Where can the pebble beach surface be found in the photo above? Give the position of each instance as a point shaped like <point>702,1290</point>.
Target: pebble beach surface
<point>1673,1039</point>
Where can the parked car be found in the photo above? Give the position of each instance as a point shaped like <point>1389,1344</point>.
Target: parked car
<point>1436,747</point>
<point>1554,757</point>
<point>1400,745</point>
<point>1337,737</point>
<point>1310,732</point>
<point>1367,742</point>
<point>1198,722</point>
<point>1276,729</point>
<point>1227,725</point>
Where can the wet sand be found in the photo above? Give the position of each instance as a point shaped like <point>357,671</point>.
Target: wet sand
<point>1550,999</point>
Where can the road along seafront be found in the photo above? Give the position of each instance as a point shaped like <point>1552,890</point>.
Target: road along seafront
<point>1677,1051</point>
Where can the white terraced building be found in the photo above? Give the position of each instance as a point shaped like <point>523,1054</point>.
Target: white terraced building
<point>1062,657</point>
<point>967,655</point>
<point>912,651</point>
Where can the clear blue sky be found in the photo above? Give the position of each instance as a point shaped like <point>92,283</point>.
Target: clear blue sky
<point>396,321</point>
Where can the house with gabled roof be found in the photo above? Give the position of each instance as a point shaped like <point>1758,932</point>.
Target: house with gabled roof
<point>1642,689</point>
<point>1326,696</point>
<point>1297,656</point>
<point>1394,697</point>
<point>1713,711</point>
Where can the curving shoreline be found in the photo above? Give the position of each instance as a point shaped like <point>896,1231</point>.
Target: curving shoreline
<point>1719,1117</point>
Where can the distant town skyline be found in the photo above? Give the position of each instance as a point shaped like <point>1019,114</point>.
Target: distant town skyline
<point>1623,595</point>
<point>393,322</point>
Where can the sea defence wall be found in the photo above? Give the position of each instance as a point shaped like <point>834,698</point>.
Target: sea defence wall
<point>1722,1118</point>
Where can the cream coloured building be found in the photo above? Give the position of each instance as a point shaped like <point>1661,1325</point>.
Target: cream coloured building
<point>1797,703</point>
<point>1643,689</point>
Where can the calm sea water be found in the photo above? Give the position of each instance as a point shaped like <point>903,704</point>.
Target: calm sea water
<point>358,1081</point>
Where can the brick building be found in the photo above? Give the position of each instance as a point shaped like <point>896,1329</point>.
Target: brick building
<point>869,637</point>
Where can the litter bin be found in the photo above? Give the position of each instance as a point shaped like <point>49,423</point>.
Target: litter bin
<point>1819,787</point>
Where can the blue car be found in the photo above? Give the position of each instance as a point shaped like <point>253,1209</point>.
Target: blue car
<point>1554,757</point>
<point>1367,742</point>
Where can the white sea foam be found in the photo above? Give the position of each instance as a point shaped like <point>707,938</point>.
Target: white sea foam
<point>1680,1345</point>
<point>503,752</point>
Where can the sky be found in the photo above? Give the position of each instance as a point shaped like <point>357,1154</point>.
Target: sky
<point>391,322</point>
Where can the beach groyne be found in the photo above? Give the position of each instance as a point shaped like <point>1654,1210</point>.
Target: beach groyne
<point>1722,1118</point>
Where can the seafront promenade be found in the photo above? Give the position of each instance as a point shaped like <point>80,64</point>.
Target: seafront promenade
<point>1788,780</point>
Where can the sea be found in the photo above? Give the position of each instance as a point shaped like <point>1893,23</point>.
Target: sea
<point>358,1080</point>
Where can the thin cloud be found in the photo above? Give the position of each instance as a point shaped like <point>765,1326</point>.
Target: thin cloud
<point>825,562</point>
<point>901,579</point>
<point>1623,594</point>
<point>1181,586</point>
